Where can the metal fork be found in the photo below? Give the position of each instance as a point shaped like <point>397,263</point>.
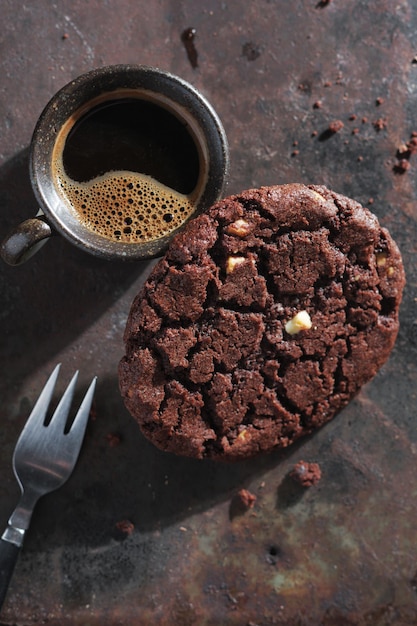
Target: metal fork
<point>43,459</point>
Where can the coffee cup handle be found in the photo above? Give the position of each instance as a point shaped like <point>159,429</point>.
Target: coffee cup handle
<point>25,240</point>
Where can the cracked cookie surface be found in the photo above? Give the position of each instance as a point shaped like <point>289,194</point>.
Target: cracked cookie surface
<point>265,317</point>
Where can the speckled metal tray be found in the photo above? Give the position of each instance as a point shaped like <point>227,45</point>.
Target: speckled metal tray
<point>343,552</point>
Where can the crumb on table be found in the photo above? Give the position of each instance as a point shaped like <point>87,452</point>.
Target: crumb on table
<point>113,439</point>
<point>306,474</point>
<point>336,126</point>
<point>125,527</point>
<point>247,498</point>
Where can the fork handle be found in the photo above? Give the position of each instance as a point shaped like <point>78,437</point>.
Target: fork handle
<point>8,557</point>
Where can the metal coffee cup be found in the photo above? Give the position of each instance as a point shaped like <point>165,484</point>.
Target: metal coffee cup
<point>121,158</point>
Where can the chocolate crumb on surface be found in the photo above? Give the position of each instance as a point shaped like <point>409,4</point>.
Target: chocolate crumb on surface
<point>306,474</point>
<point>380,124</point>
<point>241,503</point>
<point>247,498</point>
<point>412,144</point>
<point>123,529</point>
<point>251,51</point>
<point>188,37</point>
<point>405,152</point>
<point>113,439</point>
<point>336,126</point>
<point>210,370</point>
<point>402,166</point>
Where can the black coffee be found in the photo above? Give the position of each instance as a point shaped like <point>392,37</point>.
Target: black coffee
<point>130,170</point>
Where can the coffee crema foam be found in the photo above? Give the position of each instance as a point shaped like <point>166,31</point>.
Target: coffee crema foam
<point>127,206</point>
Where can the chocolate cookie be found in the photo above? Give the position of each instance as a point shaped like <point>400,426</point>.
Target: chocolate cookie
<point>266,315</point>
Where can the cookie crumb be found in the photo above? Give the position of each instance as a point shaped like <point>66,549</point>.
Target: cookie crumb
<point>125,528</point>
<point>402,150</point>
<point>336,126</point>
<point>402,166</point>
<point>412,144</point>
<point>247,498</point>
<point>404,153</point>
<point>306,474</point>
<point>251,51</point>
<point>380,124</point>
<point>113,439</point>
<point>188,39</point>
<point>241,503</point>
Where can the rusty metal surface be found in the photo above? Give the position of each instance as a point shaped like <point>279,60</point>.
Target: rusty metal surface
<point>341,553</point>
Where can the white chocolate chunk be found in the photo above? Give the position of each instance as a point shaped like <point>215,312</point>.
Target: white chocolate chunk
<point>233,262</point>
<point>317,195</point>
<point>381,258</point>
<point>240,228</point>
<point>244,435</point>
<point>300,321</point>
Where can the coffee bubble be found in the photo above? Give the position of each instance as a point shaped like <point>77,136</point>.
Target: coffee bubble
<point>126,206</point>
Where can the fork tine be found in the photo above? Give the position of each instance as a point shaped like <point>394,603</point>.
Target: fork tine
<point>60,416</point>
<point>80,420</point>
<point>38,413</point>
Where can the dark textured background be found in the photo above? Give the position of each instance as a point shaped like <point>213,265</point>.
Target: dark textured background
<point>342,553</point>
